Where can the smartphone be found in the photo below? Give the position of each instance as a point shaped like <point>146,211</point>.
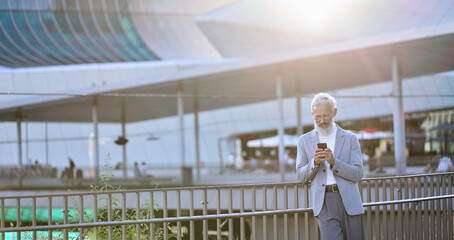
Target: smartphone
<point>321,145</point>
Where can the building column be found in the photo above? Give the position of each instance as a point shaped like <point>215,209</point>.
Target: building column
<point>19,146</point>
<point>196,134</point>
<point>398,118</point>
<point>96,137</point>
<point>27,154</point>
<point>299,120</point>
<point>280,129</point>
<point>47,144</point>
<point>181,124</point>
<point>123,134</point>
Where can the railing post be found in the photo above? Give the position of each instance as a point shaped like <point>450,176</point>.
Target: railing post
<point>393,209</point>
<point>151,209</point>
<point>109,214</point>
<point>191,213</point>
<point>178,214</point>
<point>242,222</point>
<point>123,215</point>
<point>296,220</point>
<point>137,215</point>
<point>264,199</point>
<point>218,211</point>
<point>419,218</point>
<point>306,214</point>
<point>230,211</point>
<point>164,204</point>
<point>450,217</point>
<point>385,211</point>
<point>34,215</point>
<point>285,215</point>
<point>399,209</point>
<point>377,210</point>
<point>254,209</point>
<point>2,213</point>
<point>81,216</point>
<point>426,209</point>
<point>95,212</point>
<point>205,212</point>
<point>65,216</point>
<point>274,216</point>
<point>369,212</point>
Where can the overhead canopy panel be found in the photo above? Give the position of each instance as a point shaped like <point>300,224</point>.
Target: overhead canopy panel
<point>320,68</point>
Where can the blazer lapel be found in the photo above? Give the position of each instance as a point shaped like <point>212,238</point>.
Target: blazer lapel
<point>314,141</point>
<point>339,142</point>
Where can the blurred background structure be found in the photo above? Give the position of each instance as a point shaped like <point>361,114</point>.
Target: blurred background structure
<point>203,88</point>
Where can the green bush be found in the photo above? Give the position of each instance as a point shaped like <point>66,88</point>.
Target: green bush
<point>116,214</point>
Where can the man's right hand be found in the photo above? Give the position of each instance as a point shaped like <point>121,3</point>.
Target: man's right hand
<point>319,156</point>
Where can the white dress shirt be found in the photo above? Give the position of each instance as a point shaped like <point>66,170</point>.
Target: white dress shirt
<point>330,141</point>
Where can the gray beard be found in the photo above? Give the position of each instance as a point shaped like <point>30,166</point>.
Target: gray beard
<point>325,132</point>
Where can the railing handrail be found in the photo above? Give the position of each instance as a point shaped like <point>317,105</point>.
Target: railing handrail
<point>250,185</point>
<point>203,217</point>
<point>408,176</point>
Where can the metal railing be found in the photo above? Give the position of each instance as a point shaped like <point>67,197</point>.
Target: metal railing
<point>408,207</point>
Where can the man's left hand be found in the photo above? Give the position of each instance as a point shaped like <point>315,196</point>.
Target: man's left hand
<point>329,156</point>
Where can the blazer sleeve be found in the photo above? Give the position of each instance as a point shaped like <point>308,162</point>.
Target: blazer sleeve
<point>350,169</point>
<point>305,167</point>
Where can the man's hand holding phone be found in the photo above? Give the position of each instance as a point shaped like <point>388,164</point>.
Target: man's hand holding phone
<point>323,153</point>
<point>319,154</point>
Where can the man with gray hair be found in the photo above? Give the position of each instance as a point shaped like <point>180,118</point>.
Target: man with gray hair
<point>330,158</point>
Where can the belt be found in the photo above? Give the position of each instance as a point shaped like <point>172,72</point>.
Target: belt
<point>332,188</point>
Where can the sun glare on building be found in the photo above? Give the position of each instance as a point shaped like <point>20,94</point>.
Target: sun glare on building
<point>314,12</point>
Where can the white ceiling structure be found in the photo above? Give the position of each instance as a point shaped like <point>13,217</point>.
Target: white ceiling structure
<point>317,68</point>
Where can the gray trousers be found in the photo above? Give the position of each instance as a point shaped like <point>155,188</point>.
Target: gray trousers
<point>336,224</point>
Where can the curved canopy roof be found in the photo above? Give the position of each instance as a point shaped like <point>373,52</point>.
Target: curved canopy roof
<point>318,68</point>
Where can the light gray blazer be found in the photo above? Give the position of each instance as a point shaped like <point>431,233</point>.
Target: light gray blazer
<point>347,169</point>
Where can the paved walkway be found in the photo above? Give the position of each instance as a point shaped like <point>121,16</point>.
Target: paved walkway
<point>206,177</point>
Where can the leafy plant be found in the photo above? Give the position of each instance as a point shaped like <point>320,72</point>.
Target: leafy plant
<point>104,185</point>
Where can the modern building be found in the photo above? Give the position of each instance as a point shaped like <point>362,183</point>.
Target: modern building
<point>199,74</point>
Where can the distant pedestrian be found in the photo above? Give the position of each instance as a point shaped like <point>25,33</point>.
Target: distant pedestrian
<point>253,163</point>
<point>70,173</point>
<point>136,170</point>
<point>445,164</point>
<point>143,169</point>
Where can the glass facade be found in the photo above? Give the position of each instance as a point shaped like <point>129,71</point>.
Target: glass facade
<point>68,32</point>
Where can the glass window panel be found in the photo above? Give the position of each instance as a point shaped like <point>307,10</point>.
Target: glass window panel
<point>54,34</point>
<point>122,37</point>
<point>110,5</point>
<point>95,35</point>
<point>11,31</point>
<point>74,18</point>
<point>56,5</point>
<point>106,31</point>
<point>30,4</point>
<point>4,5</point>
<point>97,5</point>
<point>84,5</point>
<point>129,28</point>
<point>13,5</point>
<point>26,33</point>
<point>70,5</point>
<point>123,6</point>
<point>33,18</point>
<point>6,57</point>
<point>61,20</point>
